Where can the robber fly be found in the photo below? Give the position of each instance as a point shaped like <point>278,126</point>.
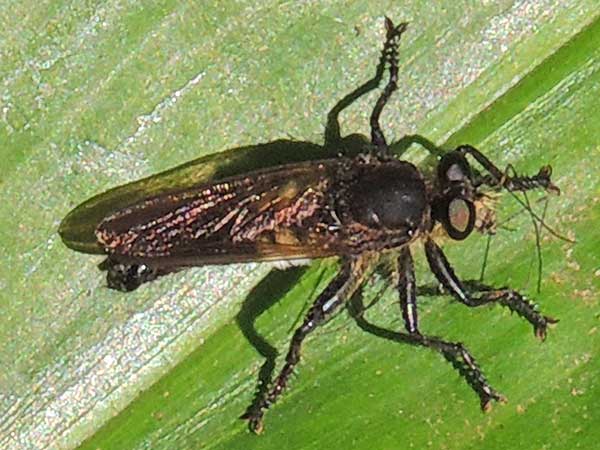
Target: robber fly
<point>356,208</point>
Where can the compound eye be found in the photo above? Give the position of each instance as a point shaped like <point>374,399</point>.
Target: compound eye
<point>453,167</point>
<point>460,218</point>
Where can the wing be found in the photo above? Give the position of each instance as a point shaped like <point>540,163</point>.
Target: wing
<point>78,228</point>
<point>285,212</point>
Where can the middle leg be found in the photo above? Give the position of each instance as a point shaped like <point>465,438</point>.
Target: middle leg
<point>377,136</point>
<point>333,136</point>
<point>456,353</point>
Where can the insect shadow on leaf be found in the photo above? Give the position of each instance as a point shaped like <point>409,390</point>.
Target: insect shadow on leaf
<point>264,295</point>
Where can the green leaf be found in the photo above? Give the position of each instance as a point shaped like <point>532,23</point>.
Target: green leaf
<point>98,95</point>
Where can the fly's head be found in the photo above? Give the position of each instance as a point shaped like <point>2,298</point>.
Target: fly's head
<point>456,200</point>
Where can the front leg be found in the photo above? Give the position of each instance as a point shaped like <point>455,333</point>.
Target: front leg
<point>499,178</point>
<point>514,301</point>
<point>338,292</point>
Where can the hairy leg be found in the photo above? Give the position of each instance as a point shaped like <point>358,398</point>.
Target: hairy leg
<point>332,130</point>
<point>337,293</point>
<point>391,53</point>
<point>510,298</point>
<point>456,353</point>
